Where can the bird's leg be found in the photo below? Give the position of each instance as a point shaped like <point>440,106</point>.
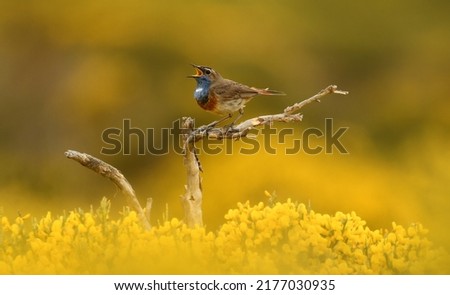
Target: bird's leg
<point>230,126</point>
<point>241,112</point>
<point>213,124</point>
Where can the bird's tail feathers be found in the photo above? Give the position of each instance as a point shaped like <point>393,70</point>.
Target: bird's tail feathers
<point>267,91</point>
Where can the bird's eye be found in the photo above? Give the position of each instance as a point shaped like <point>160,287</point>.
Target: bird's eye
<point>207,72</point>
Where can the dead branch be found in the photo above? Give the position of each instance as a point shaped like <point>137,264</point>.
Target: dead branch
<point>290,114</point>
<point>113,174</point>
<point>192,198</point>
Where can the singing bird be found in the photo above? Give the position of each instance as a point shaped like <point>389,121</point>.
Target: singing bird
<point>223,96</point>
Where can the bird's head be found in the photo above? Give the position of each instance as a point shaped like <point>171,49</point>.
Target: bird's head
<point>204,73</point>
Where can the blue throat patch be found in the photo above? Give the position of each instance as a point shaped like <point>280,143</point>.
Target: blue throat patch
<point>201,92</point>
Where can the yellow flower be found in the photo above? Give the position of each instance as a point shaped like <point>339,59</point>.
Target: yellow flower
<point>391,237</point>
<point>284,237</point>
<point>243,227</point>
<point>284,221</point>
<point>412,231</point>
<point>15,229</point>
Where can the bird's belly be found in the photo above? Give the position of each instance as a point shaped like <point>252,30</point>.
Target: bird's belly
<point>219,106</point>
<point>229,106</point>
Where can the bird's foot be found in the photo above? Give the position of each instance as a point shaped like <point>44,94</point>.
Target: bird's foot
<point>230,128</point>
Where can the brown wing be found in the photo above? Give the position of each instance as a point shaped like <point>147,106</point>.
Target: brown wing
<point>228,90</point>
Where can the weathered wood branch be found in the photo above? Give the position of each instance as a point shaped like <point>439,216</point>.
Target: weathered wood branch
<point>113,174</point>
<point>192,198</point>
<point>290,114</point>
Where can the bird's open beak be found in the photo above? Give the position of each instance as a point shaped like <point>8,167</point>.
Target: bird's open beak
<point>198,72</point>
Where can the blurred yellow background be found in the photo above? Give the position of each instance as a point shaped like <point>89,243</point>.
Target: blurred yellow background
<point>71,69</point>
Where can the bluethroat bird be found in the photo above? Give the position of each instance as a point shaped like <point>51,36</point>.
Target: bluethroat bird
<point>223,96</point>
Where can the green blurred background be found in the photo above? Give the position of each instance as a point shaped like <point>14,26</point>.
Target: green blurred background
<point>70,69</point>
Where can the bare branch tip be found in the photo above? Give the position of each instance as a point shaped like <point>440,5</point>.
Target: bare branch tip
<point>341,92</point>
<point>69,153</point>
<point>334,89</point>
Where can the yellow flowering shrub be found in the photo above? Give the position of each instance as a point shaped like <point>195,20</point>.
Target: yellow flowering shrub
<point>281,238</point>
